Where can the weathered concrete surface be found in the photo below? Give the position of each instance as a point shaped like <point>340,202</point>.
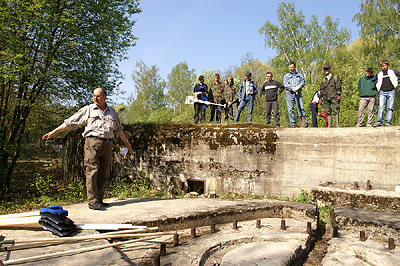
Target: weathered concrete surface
<point>360,199</point>
<point>263,254</point>
<point>167,214</point>
<point>185,213</point>
<point>251,158</point>
<point>247,245</point>
<point>377,225</point>
<point>348,250</point>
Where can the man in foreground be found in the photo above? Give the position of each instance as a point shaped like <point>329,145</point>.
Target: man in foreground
<point>100,121</point>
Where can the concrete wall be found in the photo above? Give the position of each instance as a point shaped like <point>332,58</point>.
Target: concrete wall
<point>257,159</point>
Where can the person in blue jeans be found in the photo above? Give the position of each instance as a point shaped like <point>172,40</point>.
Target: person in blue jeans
<point>246,95</point>
<point>294,82</point>
<point>386,82</point>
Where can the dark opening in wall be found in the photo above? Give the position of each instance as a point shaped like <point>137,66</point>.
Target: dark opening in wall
<point>196,186</point>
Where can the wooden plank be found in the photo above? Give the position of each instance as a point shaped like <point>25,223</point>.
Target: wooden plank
<point>66,240</point>
<point>23,221</point>
<point>105,235</point>
<point>19,215</point>
<point>75,251</point>
<point>108,227</point>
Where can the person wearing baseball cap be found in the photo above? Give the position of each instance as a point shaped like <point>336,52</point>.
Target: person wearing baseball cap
<point>200,91</point>
<point>330,91</point>
<point>246,95</point>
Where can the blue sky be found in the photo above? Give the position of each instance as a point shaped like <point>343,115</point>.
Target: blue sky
<point>213,34</point>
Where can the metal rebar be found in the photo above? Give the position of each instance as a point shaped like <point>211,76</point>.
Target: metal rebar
<point>193,232</point>
<point>283,224</point>
<point>212,228</point>
<point>309,228</point>
<point>362,236</point>
<point>234,226</point>
<point>176,239</point>
<point>335,231</point>
<point>156,260</point>
<point>391,243</point>
<point>163,249</point>
<point>258,224</point>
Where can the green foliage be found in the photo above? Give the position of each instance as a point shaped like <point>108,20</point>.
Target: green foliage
<point>304,196</point>
<point>77,192</point>
<point>309,45</point>
<point>149,93</point>
<point>380,25</point>
<point>180,84</point>
<point>124,188</point>
<point>53,52</point>
<point>42,184</point>
<point>324,214</point>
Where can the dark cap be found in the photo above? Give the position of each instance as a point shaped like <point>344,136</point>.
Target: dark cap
<point>201,77</point>
<point>248,73</point>
<point>327,67</point>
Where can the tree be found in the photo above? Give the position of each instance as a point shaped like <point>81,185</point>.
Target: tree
<point>56,51</point>
<point>149,92</point>
<point>309,45</point>
<point>180,84</point>
<point>380,25</point>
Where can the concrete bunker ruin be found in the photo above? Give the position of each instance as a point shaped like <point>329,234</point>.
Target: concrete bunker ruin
<point>248,159</point>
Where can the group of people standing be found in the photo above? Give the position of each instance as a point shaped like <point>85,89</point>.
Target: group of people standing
<point>231,99</point>
<point>224,94</point>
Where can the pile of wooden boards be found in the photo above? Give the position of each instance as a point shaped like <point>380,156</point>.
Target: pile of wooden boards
<point>30,220</point>
<point>139,234</point>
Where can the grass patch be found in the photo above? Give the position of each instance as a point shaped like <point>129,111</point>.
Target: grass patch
<point>37,182</point>
<point>324,214</point>
<point>304,196</point>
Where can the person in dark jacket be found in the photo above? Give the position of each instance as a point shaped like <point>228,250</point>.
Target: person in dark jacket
<point>330,91</point>
<point>368,91</point>
<point>270,90</point>
<point>200,91</point>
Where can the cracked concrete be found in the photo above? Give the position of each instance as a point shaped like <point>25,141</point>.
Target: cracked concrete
<point>227,246</point>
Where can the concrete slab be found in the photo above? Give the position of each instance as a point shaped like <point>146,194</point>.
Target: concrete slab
<point>246,245</point>
<point>226,244</point>
<point>347,196</point>
<point>165,213</point>
<point>377,225</point>
<point>390,219</point>
<point>348,250</point>
<point>262,254</point>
